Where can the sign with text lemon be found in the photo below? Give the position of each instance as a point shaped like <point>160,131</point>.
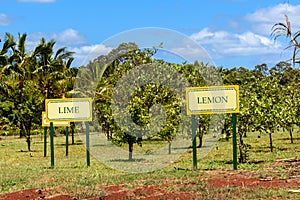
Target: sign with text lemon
<point>69,109</point>
<point>213,99</point>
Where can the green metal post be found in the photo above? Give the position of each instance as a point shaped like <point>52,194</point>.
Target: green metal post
<point>52,144</point>
<point>234,150</point>
<point>87,135</point>
<point>194,127</point>
<point>67,141</point>
<point>45,141</point>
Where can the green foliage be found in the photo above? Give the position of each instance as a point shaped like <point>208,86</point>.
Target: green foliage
<point>29,110</point>
<point>269,98</point>
<point>27,78</point>
<point>127,57</point>
<point>155,109</point>
<point>142,109</point>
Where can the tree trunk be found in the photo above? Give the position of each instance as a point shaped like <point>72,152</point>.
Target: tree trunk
<point>246,129</point>
<point>27,128</point>
<point>28,140</point>
<point>110,134</point>
<point>170,145</point>
<point>200,141</point>
<point>21,132</point>
<point>21,85</point>
<point>107,131</point>
<point>271,142</point>
<point>200,136</point>
<point>130,145</point>
<point>242,154</point>
<point>291,135</point>
<point>72,130</point>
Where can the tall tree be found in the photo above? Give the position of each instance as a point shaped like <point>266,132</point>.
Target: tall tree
<point>284,29</point>
<point>119,61</point>
<point>24,70</point>
<point>52,67</point>
<point>20,66</point>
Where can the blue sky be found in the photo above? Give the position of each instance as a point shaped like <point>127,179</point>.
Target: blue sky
<point>234,32</point>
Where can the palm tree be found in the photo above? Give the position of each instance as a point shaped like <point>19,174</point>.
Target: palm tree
<point>23,70</point>
<point>51,69</point>
<point>19,66</point>
<point>9,43</point>
<point>284,29</point>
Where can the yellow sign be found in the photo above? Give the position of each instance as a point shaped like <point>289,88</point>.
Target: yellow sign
<point>77,109</point>
<point>46,123</point>
<point>214,99</point>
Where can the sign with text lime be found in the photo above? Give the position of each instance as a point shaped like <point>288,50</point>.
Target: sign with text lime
<point>214,99</point>
<point>73,109</point>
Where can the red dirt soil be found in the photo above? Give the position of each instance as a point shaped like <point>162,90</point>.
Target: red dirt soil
<point>172,190</point>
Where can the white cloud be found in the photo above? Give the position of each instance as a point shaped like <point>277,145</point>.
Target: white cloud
<point>263,19</point>
<point>84,54</point>
<point>69,37</point>
<point>223,43</point>
<point>37,1</point>
<point>75,43</point>
<point>255,43</point>
<point>4,20</point>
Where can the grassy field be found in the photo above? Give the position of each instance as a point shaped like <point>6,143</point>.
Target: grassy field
<point>21,169</point>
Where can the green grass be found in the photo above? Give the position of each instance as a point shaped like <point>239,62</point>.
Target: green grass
<point>21,169</point>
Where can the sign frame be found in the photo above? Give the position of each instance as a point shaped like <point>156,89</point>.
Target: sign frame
<point>71,101</point>
<point>213,89</point>
<point>46,123</point>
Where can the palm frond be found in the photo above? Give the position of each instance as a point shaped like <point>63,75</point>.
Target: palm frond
<point>284,29</point>
<point>289,29</point>
<point>294,54</point>
<point>69,62</point>
<point>8,43</point>
<point>21,43</point>
<point>296,35</point>
<point>59,51</point>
